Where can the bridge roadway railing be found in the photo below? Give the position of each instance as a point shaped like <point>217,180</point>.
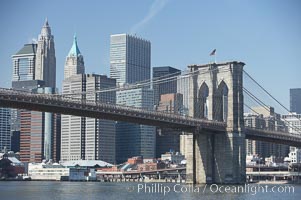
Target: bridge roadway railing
<point>273,173</point>
<point>58,101</point>
<point>273,136</point>
<point>27,100</point>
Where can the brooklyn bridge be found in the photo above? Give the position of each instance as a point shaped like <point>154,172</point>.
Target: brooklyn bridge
<point>214,128</point>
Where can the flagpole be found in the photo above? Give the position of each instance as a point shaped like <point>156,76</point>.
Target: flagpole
<point>215,57</point>
<point>213,53</point>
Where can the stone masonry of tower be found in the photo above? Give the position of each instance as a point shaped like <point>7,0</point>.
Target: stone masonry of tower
<point>217,158</point>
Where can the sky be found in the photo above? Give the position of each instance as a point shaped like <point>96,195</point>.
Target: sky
<point>266,35</point>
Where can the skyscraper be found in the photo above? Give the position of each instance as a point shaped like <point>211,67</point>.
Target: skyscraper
<point>24,63</point>
<point>19,139</point>
<point>5,129</point>
<point>31,139</point>
<point>15,141</point>
<point>169,140</point>
<point>135,139</point>
<point>83,137</point>
<point>167,99</point>
<point>34,70</point>
<point>45,66</point>
<point>295,100</point>
<point>74,61</point>
<point>183,84</point>
<point>164,87</point>
<point>72,127</point>
<point>38,130</point>
<point>130,59</point>
<point>37,61</point>
<point>51,135</point>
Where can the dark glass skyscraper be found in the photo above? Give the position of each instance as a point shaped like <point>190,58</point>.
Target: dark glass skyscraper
<point>4,129</point>
<point>295,100</point>
<point>22,79</point>
<point>165,83</point>
<point>164,87</point>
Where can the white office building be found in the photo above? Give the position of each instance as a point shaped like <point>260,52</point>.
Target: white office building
<point>293,121</point>
<point>83,137</point>
<point>130,59</point>
<point>44,171</point>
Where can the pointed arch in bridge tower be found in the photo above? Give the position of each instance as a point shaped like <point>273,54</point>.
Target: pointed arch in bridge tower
<point>202,110</point>
<point>221,102</point>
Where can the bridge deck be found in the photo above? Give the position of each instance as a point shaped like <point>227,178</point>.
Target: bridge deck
<point>78,107</point>
<point>273,136</point>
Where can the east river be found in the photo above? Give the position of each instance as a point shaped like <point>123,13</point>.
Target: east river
<point>31,190</point>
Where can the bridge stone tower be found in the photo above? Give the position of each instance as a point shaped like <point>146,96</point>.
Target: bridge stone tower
<point>216,94</point>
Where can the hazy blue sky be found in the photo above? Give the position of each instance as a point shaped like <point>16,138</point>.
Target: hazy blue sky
<point>266,35</point>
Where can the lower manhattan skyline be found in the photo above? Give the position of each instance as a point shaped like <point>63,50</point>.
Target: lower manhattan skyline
<point>264,35</point>
<point>153,99</point>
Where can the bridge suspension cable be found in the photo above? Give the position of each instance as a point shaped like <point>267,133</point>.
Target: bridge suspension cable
<point>268,93</point>
<point>144,83</point>
<point>150,82</point>
<point>253,97</point>
<point>289,125</point>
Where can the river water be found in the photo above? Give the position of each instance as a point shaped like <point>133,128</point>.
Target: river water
<point>31,190</point>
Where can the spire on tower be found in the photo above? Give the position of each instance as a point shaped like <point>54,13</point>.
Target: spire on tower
<point>75,38</point>
<point>46,31</point>
<point>74,51</point>
<point>46,22</point>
